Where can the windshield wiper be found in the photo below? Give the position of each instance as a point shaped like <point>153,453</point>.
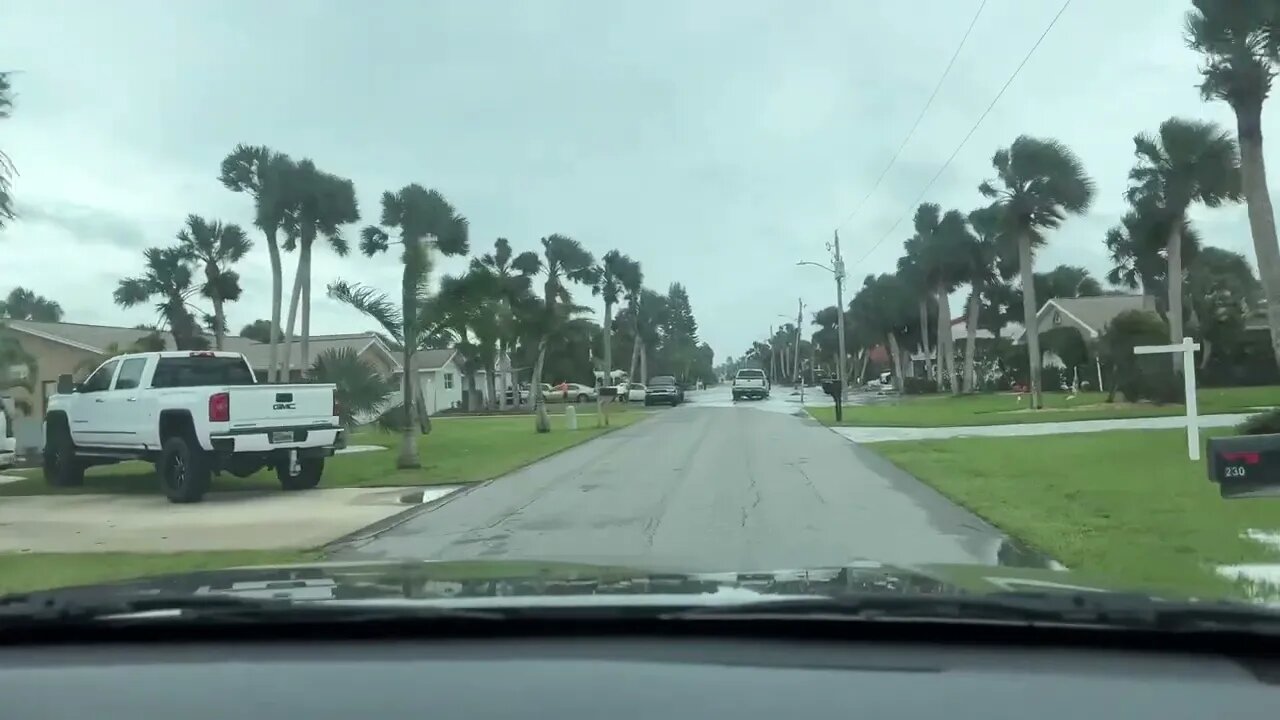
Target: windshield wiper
<point>53,608</point>
<point>1110,610</point>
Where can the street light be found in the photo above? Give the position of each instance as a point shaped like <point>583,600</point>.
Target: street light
<point>837,271</point>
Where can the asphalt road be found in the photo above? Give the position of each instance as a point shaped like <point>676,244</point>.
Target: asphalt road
<point>708,486</point>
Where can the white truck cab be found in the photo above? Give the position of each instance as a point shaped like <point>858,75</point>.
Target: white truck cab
<point>192,413</point>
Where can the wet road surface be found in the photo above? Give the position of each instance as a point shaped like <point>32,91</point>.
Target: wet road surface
<point>711,485</point>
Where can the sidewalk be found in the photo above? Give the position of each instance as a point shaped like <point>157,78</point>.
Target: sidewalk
<point>883,434</point>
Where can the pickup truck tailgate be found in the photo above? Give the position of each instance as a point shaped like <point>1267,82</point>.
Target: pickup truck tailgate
<point>281,405</point>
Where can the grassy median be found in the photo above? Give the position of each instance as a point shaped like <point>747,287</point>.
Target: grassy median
<point>26,572</point>
<point>1128,506</point>
<point>458,451</point>
<point>1012,409</point>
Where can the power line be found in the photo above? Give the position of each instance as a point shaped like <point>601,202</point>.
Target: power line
<point>968,135</point>
<point>911,133</point>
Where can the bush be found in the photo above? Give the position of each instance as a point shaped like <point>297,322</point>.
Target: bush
<point>919,386</point>
<point>1265,423</point>
<point>1053,378</point>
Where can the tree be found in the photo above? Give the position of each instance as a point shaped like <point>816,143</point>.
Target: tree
<point>913,275</point>
<point>216,247</point>
<point>1136,248</point>
<point>885,305</point>
<point>1115,348</point>
<point>980,251</point>
<point>680,332</point>
<point>614,275</point>
<point>948,252</point>
<point>18,369</point>
<point>508,277</point>
<point>1187,162</point>
<point>1221,290</point>
<point>24,304</point>
<point>1240,43</point>
<point>168,277</point>
<point>323,203</point>
<point>264,175</point>
<point>1038,183</point>
<point>649,318</point>
<point>259,330</point>
<point>564,260</point>
<point>7,170</point>
<point>360,391</point>
<point>417,214</point>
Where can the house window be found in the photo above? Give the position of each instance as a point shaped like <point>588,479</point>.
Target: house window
<point>448,381</point>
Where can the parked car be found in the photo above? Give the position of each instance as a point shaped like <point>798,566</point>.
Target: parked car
<point>193,414</point>
<point>576,392</point>
<point>8,445</point>
<point>662,389</point>
<point>750,383</point>
<point>635,392</point>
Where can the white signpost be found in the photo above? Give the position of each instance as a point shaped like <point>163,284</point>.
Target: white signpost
<point>1188,350</point>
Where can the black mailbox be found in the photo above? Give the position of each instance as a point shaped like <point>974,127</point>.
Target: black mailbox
<point>831,387</point>
<point>609,391</point>
<point>1245,466</point>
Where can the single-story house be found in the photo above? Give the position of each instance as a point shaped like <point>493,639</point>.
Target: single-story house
<point>1088,315</point>
<point>441,378</point>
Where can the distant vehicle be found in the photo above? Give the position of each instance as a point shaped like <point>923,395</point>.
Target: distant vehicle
<point>193,414</point>
<point>635,392</point>
<point>547,393</point>
<point>750,383</point>
<point>662,389</point>
<point>576,392</point>
<point>8,445</point>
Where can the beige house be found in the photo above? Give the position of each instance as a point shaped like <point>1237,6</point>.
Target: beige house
<point>77,349</point>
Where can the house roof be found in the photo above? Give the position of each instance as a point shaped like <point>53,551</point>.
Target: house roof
<point>91,338</point>
<point>258,353</point>
<point>435,359</point>
<point>1090,314</point>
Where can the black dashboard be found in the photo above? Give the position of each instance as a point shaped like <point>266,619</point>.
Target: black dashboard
<point>623,678</point>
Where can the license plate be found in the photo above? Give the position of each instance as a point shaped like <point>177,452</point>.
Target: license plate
<point>283,436</point>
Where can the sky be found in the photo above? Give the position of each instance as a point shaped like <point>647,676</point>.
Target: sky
<point>718,142</point>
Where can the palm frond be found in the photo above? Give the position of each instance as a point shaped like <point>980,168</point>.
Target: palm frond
<point>371,302</point>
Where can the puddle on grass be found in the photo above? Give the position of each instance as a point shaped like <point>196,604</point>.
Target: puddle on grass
<point>1258,582</point>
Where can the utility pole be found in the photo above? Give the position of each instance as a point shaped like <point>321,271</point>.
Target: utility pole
<point>773,358</point>
<point>839,273</point>
<point>795,365</point>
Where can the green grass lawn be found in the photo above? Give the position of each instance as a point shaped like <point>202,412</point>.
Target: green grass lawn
<point>23,572</point>
<point>463,450</point>
<point>1127,507</point>
<point>1007,409</point>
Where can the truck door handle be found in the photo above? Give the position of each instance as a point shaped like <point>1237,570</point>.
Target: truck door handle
<point>132,399</point>
<point>99,400</point>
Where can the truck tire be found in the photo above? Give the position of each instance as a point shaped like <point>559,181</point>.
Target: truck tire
<point>61,467</point>
<point>184,470</point>
<point>309,472</point>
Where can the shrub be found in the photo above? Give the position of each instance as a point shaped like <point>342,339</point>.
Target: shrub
<point>919,386</point>
<point>1264,423</point>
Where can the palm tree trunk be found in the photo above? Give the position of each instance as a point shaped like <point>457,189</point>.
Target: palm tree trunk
<point>1032,333</point>
<point>286,366</point>
<point>1174,252</point>
<point>1262,221</point>
<point>219,322</point>
<point>408,442</point>
<point>644,362</point>
<point>946,343</point>
<point>277,283</point>
<point>896,358</point>
<point>924,337</point>
<point>541,422</point>
<point>971,343</point>
<point>503,368</point>
<point>491,383</point>
<point>305,262</point>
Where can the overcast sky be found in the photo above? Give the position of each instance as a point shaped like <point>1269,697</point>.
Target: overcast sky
<point>717,142</point>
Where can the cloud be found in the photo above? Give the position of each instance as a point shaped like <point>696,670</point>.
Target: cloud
<point>87,224</point>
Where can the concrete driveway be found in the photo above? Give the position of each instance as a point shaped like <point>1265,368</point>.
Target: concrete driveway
<point>711,485</point>
<point>224,521</point>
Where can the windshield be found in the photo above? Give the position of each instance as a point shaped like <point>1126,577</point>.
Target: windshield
<point>684,287</point>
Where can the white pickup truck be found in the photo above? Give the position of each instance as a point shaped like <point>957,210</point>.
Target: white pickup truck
<point>750,383</point>
<point>192,414</point>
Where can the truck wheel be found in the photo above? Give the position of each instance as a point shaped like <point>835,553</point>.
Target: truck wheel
<point>184,470</point>
<point>309,472</point>
<point>582,398</point>
<point>61,467</point>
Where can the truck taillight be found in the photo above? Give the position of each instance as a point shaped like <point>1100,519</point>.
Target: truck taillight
<point>220,407</point>
<point>337,406</point>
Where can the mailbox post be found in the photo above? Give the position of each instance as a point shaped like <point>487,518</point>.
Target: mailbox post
<point>1188,349</point>
<point>835,389</point>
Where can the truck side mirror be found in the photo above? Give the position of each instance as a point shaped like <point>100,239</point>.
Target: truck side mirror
<point>66,385</point>
<point>1245,466</point>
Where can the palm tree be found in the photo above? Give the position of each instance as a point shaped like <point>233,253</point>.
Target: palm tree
<point>949,241</point>
<point>7,169</point>
<point>981,251</point>
<point>615,273</point>
<point>650,316</point>
<point>265,175</point>
<point>913,276</point>
<point>417,214</point>
<point>563,260</point>
<point>1188,161</point>
<point>323,203</point>
<point>1240,44</point>
<point>361,390</point>
<point>216,246</point>
<point>1135,248</point>
<point>167,276</point>
<point>509,279</point>
<point>258,330</point>
<point>24,304</point>
<point>883,307</point>
<point>1038,183</point>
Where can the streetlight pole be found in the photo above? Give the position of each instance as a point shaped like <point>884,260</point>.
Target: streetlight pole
<point>839,273</point>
